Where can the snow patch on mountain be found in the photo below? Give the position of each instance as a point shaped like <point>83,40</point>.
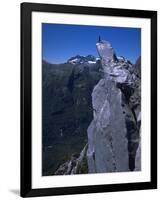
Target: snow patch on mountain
<point>83,60</point>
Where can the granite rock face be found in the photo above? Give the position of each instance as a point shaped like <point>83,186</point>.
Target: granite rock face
<point>114,133</point>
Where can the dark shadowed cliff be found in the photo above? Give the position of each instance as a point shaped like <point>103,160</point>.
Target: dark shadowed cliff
<point>67,108</point>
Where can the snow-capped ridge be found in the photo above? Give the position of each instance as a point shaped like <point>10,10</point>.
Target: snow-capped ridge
<point>89,59</point>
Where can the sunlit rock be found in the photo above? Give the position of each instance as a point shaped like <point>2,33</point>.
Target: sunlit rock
<point>113,135</point>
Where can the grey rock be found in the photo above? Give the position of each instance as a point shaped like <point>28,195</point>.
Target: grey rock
<point>113,135</point>
<point>138,158</point>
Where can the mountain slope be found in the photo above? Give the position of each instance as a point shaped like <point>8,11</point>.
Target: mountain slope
<point>67,110</point>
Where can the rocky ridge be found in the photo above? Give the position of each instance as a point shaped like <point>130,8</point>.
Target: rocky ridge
<point>76,165</point>
<point>90,59</point>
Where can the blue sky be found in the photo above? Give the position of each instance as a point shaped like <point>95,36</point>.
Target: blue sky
<point>60,42</point>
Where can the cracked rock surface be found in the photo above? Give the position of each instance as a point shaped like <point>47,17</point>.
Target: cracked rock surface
<point>114,133</point>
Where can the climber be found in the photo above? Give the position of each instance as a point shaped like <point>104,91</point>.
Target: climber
<point>99,40</point>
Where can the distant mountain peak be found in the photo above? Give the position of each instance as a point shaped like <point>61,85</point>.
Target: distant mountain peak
<point>78,59</point>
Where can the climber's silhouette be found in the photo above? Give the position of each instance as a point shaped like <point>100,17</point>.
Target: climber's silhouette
<point>99,40</point>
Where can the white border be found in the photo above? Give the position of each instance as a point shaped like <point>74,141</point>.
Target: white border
<point>39,181</point>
